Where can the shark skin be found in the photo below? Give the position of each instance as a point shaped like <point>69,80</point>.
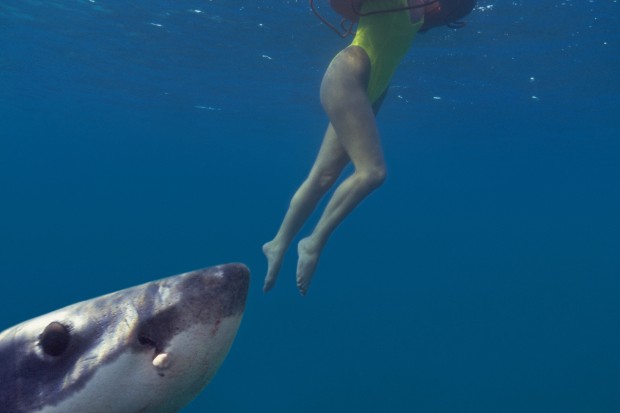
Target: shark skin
<point>147,349</point>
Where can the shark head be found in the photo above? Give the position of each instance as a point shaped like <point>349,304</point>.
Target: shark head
<point>146,349</point>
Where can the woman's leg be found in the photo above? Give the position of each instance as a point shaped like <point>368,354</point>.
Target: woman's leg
<point>329,163</point>
<point>344,98</point>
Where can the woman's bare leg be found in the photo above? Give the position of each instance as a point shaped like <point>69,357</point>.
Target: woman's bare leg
<point>329,163</point>
<point>344,98</point>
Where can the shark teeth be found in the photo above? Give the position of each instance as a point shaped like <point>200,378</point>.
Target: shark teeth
<point>161,361</point>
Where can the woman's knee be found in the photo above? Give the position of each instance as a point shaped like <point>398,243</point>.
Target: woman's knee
<point>372,177</point>
<point>314,187</point>
<point>322,181</point>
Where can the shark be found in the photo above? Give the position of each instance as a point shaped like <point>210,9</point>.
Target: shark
<point>146,349</point>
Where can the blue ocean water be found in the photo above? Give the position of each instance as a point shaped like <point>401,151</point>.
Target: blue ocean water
<point>144,139</point>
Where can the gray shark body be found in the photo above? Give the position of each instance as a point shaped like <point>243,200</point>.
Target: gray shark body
<point>146,349</point>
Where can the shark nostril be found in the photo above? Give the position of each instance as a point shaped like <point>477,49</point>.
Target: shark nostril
<point>146,341</point>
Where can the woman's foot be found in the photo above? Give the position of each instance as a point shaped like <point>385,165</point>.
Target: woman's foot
<point>308,259</point>
<point>274,256</point>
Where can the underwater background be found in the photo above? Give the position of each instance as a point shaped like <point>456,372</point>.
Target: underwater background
<point>147,138</point>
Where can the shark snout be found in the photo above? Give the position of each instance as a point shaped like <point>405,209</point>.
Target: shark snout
<point>236,277</point>
<point>223,289</point>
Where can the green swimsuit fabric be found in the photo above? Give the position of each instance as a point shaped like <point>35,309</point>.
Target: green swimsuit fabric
<point>386,38</point>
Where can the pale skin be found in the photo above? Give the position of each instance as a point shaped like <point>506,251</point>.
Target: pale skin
<point>351,136</point>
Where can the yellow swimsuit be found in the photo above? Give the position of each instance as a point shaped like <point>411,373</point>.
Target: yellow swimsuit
<point>385,37</point>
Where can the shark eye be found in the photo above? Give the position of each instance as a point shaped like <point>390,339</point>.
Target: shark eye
<point>55,339</point>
